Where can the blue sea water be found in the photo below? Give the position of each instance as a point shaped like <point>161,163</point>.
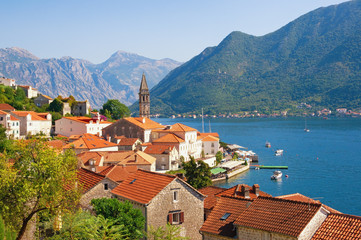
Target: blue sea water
<point>324,164</point>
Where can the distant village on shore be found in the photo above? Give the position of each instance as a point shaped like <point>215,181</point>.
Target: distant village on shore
<point>131,160</point>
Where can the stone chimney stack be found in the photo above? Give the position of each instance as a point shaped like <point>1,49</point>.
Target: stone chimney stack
<point>256,189</point>
<point>245,191</point>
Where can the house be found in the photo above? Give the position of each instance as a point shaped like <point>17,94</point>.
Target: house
<point>93,185</point>
<point>163,199</point>
<point>68,126</point>
<point>211,198</point>
<point>94,160</point>
<point>275,218</point>
<point>126,144</point>
<point>6,107</point>
<point>90,142</point>
<point>11,123</point>
<point>32,123</point>
<point>29,91</point>
<point>210,144</point>
<point>7,82</point>
<point>339,226</point>
<point>132,128</point>
<point>166,156</point>
<point>80,108</point>
<point>42,100</point>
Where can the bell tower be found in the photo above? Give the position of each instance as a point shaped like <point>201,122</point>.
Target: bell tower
<point>144,99</point>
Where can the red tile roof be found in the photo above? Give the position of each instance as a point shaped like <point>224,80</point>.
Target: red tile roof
<point>143,186</point>
<point>88,179</point>
<point>119,173</point>
<point>56,144</point>
<point>144,123</point>
<point>86,120</point>
<point>4,113</point>
<point>12,118</point>
<point>303,198</point>
<point>158,149</point>
<point>89,141</point>
<point>86,156</point>
<point>178,127</point>
<point>127,141</point>
<point>236,192</point>
<point>210,139</point>
<point>5,106</point>
<point>34,116</point>
<point>339,226</point>
<point>169,138</point>
<point>211,198</point>
<point>214,134</point>
<point>278,215</point>
<point>233,206</point>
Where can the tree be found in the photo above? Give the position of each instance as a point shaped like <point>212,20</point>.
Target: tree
<point>35,178</point>
<point>122,213</point>
<point>219,157</point>
<point>198,174</point>
<point>116,109</point>
<point>171,232</point>
<point>56,106</point>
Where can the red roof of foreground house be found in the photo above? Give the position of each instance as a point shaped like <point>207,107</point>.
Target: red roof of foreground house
<point>211,199</point>
<point>236,192</point>
<point>56,144</point>
<point>88,179</point>
<point>278,215</point>
<point>303,198</point>
<point>5,106</point>
<point>89,141</point>
<point>86,156</point>
<point>34,116</point>
<point>119,173</point>
<point>143,186</point>
<point>220,220</point>
<point>144,123</point>
<point>339,226</point>
<point>169,138</point>
<point>158,149</point>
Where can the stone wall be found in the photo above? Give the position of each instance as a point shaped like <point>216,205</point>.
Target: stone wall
<point>123,127</point>
<point>245,233</point>
<point>208,236</point>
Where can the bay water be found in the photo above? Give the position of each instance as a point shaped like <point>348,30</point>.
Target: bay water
<point>324,164</point>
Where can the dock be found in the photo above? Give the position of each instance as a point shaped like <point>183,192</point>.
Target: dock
<point>269,167</point>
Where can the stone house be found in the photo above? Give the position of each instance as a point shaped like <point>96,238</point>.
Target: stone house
<point>96,161</point>
<point>42,100</point>
<point>8,82</point>
<point>32,123</point>
<point>163,199</point>
<point>29,91</point>
<point>80,108</point>
<point>11,123</point>
<point>90,142</point>
<point>132,128</point>
<point>166,156</point>
<point>93,185</point>
<point>68,126</point>
<point>128,144</point>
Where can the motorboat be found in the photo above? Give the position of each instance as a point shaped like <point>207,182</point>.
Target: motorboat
<point>279,152</point>
<point>268,145</point>
<point>276,175</point>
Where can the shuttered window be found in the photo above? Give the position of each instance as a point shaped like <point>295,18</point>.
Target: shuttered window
<point>175,218</point>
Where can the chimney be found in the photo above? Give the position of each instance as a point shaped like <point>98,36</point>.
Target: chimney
<point>256,189</point>
<point>144,120</point>
<point>237,189</point>
<point>245,191</point>
<point>135,157</point>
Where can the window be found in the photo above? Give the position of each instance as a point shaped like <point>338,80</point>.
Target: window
<point>212,145</point>
<point>225,216</point>
<point>106,187</point>
<point>1,118</point>
<point>176,218</point>
<point>175,196</point>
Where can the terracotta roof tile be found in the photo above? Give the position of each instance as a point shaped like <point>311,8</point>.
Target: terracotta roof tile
<point>86,120</point>
<point>5,106</point>
<point>34,116</point>
<point>147,124</point>
<point>56,144</point>
<point>86,156</point>
<point>143,186</point>
<point>210,139</point>
<point>127,141</point>
<point>119,173</point>
<point>88,179</point>
<point>339,226</point>
<point>211,198</point>
<point>3,113</point>
<point>169,138</point>
<point>12,118</point>
<point>179,127</point>
<point>278,215</point>
<point>213,134</point>
<point>89,141</point>
<point>236,192</point>
<point>303,198</point>
<point>158,149</point>
<point>234,207</point>
<point>47,97</point>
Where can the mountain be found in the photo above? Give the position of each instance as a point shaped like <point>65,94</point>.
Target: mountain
<point>315,59</point>
<point>117,78</point>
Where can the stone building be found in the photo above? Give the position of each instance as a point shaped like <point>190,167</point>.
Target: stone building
<point>29,91</point>
<point>167,156</point>
<point>163,199</point>
<point>144,99</point>
<point>89,142</point>
<point>42,100</point>
<point>7,82</point>
<point>80,108</point>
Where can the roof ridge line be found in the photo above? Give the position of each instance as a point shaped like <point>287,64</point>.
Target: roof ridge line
<point>288,200</point>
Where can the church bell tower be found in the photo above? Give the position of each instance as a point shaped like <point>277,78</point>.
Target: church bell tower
<point>144,99</point>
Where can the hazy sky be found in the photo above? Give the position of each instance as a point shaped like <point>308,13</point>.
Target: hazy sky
<point>177,29</point>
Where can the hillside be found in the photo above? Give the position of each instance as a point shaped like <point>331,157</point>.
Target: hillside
<point>314,59</point>
<point>116,78</point>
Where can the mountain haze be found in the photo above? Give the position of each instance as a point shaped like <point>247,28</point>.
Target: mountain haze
<point>117,78</point>
<point>314,59</point>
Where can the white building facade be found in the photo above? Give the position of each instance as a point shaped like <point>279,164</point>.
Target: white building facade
<point>67,126</point>
<point>11,123</point>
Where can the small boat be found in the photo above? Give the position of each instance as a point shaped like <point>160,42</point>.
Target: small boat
<point>306,129</point>
<point>268,144</point>
<point>279,152</point>
<point>276,175</point>
<point>256,168</point>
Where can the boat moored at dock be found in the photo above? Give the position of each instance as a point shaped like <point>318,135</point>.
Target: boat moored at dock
<point>276,175</point>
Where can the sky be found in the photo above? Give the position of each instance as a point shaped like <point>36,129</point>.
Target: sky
<point>157,29</point>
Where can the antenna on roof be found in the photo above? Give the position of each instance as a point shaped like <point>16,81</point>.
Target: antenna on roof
<point>202,122</point>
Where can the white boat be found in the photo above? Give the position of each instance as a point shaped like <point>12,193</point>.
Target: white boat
<point>279,152</point>
<point>276,175</point>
